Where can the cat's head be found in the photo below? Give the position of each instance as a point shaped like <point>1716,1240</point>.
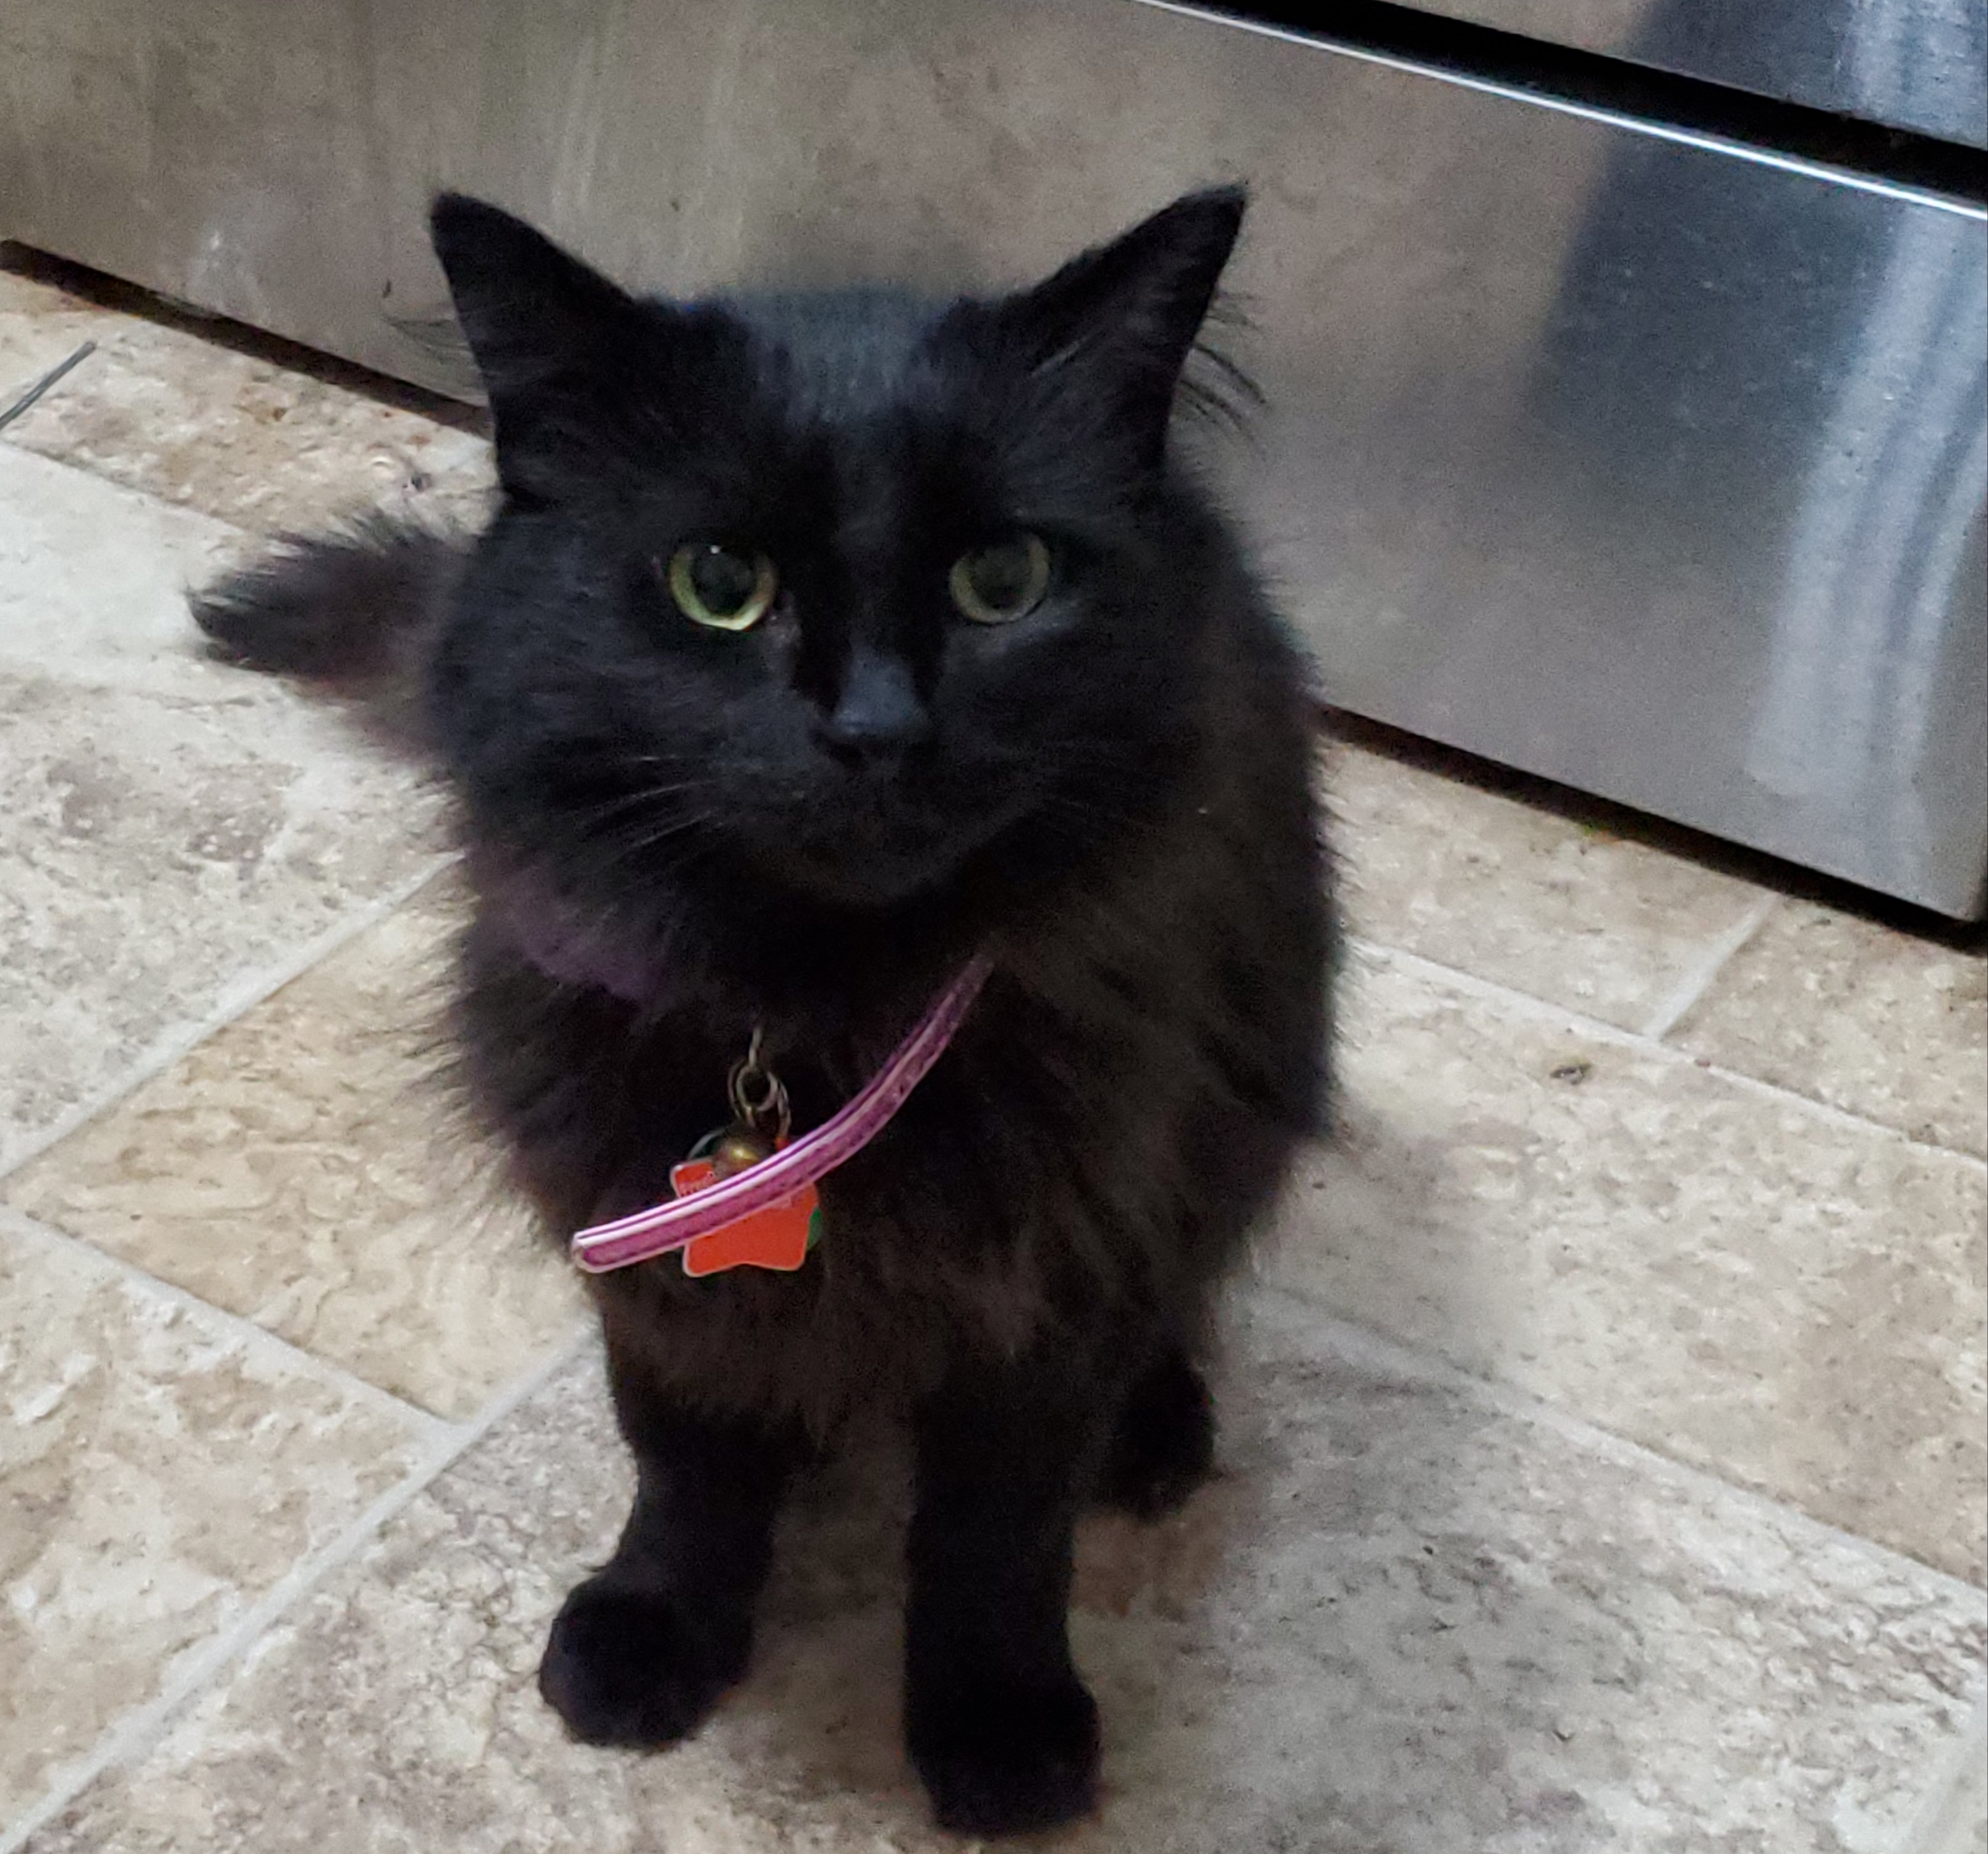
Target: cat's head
<point>850,590</point>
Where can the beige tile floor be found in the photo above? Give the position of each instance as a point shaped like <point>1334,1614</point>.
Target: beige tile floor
<point>1604,1456</point>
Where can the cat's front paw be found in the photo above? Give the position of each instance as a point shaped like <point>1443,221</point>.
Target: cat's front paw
<point>621,1667</point>
<point>1003,1756</point>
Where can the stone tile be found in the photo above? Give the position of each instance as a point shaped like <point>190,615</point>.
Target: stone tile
<point>1859,1015</point>
<point>1955,1820</point>
<point>160,1470</point>
<point>1409,1618</point>
<point>1723,1273</point>
<point>93,582</point>
<point>1562,911</point>
<point>172,827</point>
<point>301,1168</point>
<point>198,423</point>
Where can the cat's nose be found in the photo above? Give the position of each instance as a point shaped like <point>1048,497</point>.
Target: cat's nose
<point>877,717</point>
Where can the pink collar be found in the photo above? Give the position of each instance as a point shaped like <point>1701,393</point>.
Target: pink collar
<point>665,1227</point>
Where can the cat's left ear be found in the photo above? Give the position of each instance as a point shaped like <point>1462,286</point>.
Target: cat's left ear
<point>1116,325</point>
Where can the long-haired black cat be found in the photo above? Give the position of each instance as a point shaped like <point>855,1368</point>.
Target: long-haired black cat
<point>819,645</point>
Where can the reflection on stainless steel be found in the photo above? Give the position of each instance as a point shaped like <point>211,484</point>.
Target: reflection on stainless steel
<point>1860,686</point>
<point>1611,455</point>
<point>1910,64</point>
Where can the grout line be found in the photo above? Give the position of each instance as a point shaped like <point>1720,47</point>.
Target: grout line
<point>1614,1035</point>
<point>427,1425</point>
<point>236,1000</point>
<point>1374,1351</point>
<point>1953,1803</point>
<point>138,1732</point>
<point>1697,979</point>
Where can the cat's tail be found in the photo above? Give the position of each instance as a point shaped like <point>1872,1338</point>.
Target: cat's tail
<point>354,613</point>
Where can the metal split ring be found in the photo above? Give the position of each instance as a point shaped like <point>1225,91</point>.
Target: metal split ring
<point>759,1096</point>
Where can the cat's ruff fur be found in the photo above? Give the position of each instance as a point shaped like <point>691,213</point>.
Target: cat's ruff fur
<point>671,842</point>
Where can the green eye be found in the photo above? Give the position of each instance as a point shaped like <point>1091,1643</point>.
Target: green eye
<point>712,586</point>
<point>998,584</point>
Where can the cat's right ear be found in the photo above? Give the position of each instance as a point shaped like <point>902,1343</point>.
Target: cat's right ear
<point>548,333</point>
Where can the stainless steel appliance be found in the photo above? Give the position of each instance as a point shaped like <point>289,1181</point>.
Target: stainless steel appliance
<point>1629,415</point>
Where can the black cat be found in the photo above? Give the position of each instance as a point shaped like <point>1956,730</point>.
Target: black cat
<point>820,644</point>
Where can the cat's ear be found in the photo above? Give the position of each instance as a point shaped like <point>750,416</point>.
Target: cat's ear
<point>1117,323</point>
<point>547,333</point>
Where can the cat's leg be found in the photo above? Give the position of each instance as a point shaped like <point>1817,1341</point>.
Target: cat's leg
<point>643,1649</point>
<point>998,1723</point>
<point>1163,1445</point>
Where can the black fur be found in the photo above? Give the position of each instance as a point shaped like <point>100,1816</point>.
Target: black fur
<point>356,613</point>
<point>676,835</point>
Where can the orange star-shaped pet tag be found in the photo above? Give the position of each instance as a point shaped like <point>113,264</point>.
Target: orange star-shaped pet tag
<point>778,1237</point>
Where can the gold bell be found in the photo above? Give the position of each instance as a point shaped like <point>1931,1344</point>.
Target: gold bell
<point>739,1150</point>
